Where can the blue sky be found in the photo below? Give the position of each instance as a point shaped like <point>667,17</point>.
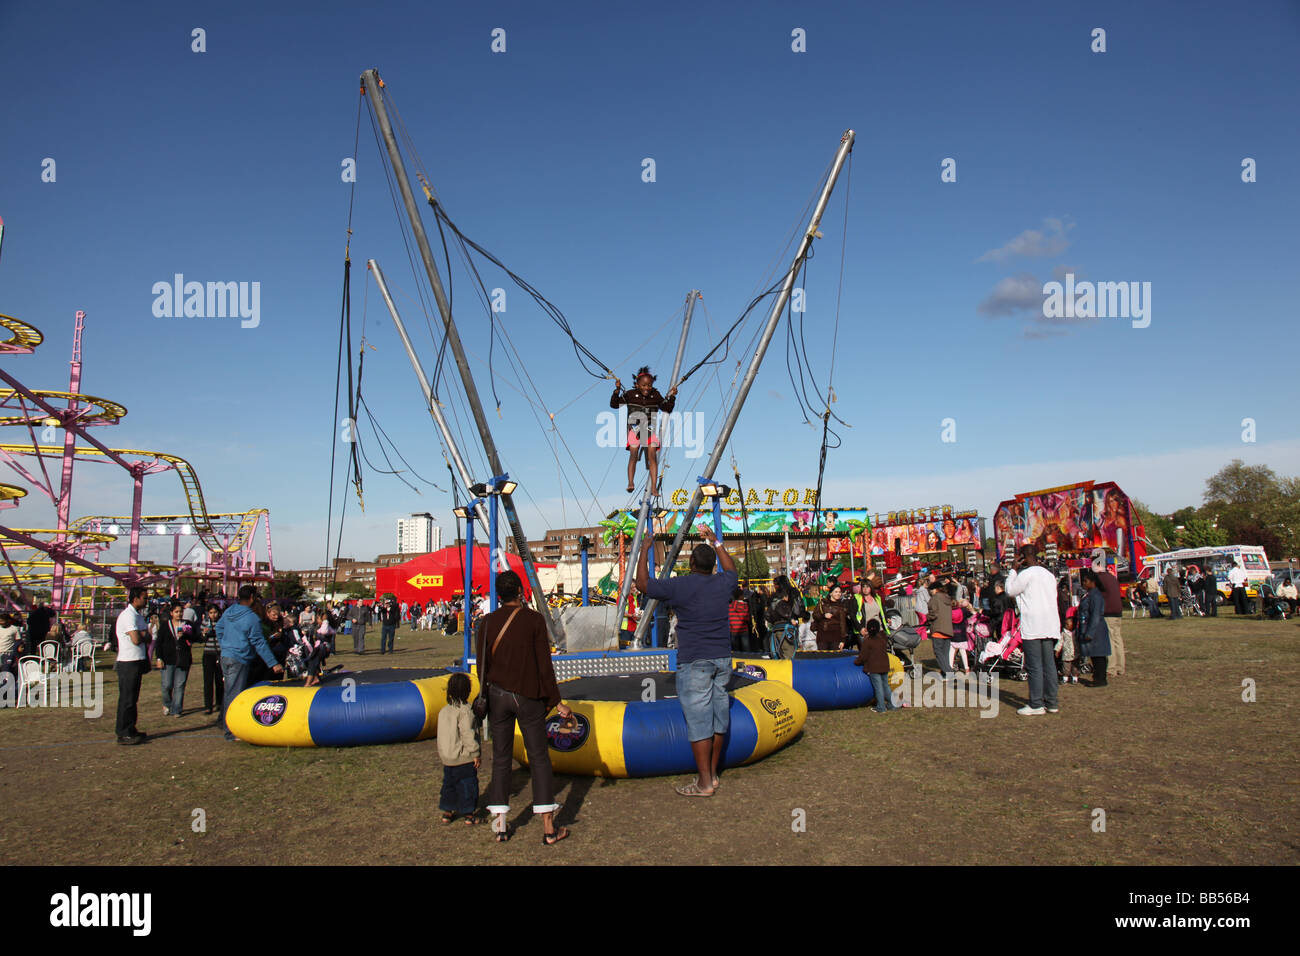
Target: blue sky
<point>225,166</point>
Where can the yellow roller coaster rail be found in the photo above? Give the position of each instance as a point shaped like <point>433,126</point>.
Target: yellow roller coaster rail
<point>101,411</point>
<point>29,571</point>
<point>82,537</point>
<point>198,512</point>
<point>12,492</point>
<point>23,338</point>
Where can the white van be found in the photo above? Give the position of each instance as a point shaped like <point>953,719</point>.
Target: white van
<point>1217,560</point>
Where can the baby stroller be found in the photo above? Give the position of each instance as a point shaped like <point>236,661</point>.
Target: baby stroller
<point>306,657</point>
<point>904,640</point>
<point>1003,657</point>
<point>1274,608</point>
<point>1190,606</point>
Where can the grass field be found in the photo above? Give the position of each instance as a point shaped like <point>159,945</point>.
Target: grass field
<point>1185,770</point>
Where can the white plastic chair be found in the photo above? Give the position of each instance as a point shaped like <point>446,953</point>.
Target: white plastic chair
<point>82,648</point>
<point>49,651</point>
<point>31,671</point>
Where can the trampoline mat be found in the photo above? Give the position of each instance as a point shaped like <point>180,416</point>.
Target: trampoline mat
<point>380,675</point>
<point>821,655</point>
<point>631,688</point>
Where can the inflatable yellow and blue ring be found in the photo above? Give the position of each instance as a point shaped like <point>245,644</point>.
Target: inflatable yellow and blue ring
<point>346,709</point>
<point>828,680</point>
<point>632,725</point>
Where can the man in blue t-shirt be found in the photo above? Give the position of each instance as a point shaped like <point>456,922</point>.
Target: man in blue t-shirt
<point>701,600</point>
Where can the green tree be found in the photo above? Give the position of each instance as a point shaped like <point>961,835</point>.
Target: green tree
<point>1201,533</point>
<point>1159,529</point>
<point>288,587</point>
<point>753,565</point>
<point>354,590</point>
<point>1253,506</point>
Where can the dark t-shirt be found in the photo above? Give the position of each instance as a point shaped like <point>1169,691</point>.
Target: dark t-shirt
<point>701,602</point>
<point>38,622</point>
<point>1110,589</point>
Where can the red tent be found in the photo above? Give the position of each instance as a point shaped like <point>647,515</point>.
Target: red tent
<point>440,575</point>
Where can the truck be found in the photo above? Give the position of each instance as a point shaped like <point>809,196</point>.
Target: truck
<point>1217,561</point>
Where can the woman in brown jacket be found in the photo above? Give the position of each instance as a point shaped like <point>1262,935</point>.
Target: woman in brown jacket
<point>834,621</point>
<point>514,664</point>
<point>873,658</point>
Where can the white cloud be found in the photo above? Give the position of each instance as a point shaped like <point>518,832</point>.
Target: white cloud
<point>1048,241</point>
<point>1014,295</point>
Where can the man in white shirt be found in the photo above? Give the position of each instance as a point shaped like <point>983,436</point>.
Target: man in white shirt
<point>1237,578</point>
<point>1034,588</point>
<point>132,664</point>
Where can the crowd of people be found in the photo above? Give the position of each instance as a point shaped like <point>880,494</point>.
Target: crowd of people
<point>243,641</point>
<point>1065,626</point>
<point>1061,629</point>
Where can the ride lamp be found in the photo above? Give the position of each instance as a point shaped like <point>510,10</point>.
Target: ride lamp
<point>507,487</point>
<point>711,489</point>
<point>584,542</point>
<point>461,512</point>
<point>662,514</point>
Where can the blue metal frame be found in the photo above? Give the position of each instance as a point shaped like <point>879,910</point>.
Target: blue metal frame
<point>468,608</point>
<point>496,483</point>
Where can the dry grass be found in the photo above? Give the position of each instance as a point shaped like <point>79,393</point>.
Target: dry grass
<point>1186,772</point>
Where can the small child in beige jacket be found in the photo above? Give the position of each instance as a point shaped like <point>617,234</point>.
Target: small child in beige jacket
<point>458,747</point>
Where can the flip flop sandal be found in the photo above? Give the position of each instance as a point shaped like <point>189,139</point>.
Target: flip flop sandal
<point>550,839</point>
<point>448,817</point>
<point>692,789</point>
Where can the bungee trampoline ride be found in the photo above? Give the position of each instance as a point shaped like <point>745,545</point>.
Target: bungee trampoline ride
<point>827,680</point>
<point>346,709</point>
<point>629,721</point>
<point>624,726</point>
<point>632,725</point>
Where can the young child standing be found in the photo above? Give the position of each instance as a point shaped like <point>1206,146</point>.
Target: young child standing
<point>1069,655</point>
<point>458,747</point>
<point>873,658</point>
<point>960,639</point>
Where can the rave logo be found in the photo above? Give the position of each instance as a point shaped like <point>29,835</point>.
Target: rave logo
<point>269,710</point>
<point>771,706</point>
<point>751,670</point>
<point>567,737</point>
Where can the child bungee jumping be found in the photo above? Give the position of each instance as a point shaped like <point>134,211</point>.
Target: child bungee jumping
<point>642,403</point>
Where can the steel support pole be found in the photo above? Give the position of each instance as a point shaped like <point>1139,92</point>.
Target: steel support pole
<point>586,596</point>
<point>773,319</point>
<point>137,495</point>
<point>633,557</point>
<point>468,608</point>
<point>492,553</point>
<point>677,367</point>
<point>371,82</point>
<point>435,410</point>
<point>650,570</point>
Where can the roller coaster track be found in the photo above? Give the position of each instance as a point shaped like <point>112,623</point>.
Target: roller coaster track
<point>23,338</point>
<point>37,571</point>
<point>108,413</point>
<point>198,512</point>
<point>12,492</point>
<point>247,523</point>
<point>82,537</point>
